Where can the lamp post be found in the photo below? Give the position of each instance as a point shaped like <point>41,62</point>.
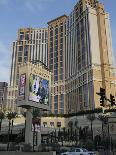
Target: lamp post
<point>110,143</point>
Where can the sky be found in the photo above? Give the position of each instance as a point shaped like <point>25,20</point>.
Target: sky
<point>15,14</point>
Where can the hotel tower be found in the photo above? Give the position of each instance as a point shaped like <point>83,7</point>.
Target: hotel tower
<point>80,57</point>
<point>31,46</point>
<point>56,62</point>
<point>78,51</point>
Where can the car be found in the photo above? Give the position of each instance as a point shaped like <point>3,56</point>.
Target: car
<point>78,151</point>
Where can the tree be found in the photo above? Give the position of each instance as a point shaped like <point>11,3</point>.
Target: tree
<point>91,118</point>
<point>36,113</point>
<point>70,124</point>
<point>104,120</point>
<point>76,124</point>
<point>2,116</point>
<point>10,116</point>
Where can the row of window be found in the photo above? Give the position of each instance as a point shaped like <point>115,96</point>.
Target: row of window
<point>29,35</point>
<point>82,97</point>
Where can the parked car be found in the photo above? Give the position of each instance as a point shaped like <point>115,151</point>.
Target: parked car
<point>78,151</point>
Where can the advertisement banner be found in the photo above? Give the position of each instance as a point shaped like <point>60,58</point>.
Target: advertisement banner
<point>38,89</point>
<point>22,85</point>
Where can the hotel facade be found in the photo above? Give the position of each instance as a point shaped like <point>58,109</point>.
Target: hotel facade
<point>56,62</point>
<point>30,46</point>
<point>86,49</point>
<point>78,51</point>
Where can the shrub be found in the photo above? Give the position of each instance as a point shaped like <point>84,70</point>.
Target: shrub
<point>27,148</point>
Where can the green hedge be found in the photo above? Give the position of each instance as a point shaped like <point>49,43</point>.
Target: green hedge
<point>80,113</point>
<point>109,110</point>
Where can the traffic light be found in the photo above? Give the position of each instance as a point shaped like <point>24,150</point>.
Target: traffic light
<point>102,96</point>
<point>112,99</point>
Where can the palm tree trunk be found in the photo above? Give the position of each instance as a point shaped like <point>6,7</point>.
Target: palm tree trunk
<point>92,129</point>
<point>0,124</point>
<point>8,135</point>
<point>12,127</point>
<point>102,130</point>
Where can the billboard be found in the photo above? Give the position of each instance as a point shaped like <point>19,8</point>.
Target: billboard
<point>38,89</point>
<point>22,85</point>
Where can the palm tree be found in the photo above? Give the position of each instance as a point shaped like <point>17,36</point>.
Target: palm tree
<point>76,130</point>
<point>36,113</point>
<point>2,116</point>
<point>76,124</point>
<point>104,120</point>
<point>11,116</point>
<point>70,124</point>
<point>91,118</point>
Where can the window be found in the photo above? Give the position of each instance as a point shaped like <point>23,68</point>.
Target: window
<point>1,93</point>
<point>56,98</point>
<point>61,77</point>
<point>58,124</point>
<point>56,104</point>
<point>40,36</point>
<point>21,35</point>
<point>56,111</point>
<point>20,48</point>
<point>52,124</point>
<point>51,55</point>
<point>61,70</point>
<point>55,78</point>
<point>51,33</point>
<point>56,30</point>
<point>45,124</point>
<point>86,95</point>
<point>19,54</point>
<point>56,66</point>
<point>25,53</point>
<point>27,36</point>
<point>61,58</point>
<point>25,59</point>
<point>61,64</point>
<point>56,54</point>
<point>19,59</point>
<point>62,111</point>
<point>55,72</point>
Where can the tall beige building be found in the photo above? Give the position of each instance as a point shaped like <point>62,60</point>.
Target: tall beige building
<point>3,95</point>
<point>30,46</point>
<point>78,51</point>
<point>56,62</point>
<point>87,57</point>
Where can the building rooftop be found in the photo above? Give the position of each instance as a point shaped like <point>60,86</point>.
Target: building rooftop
<point>57,19</point>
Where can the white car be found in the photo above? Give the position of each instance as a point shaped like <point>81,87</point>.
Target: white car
<point>78,151</point>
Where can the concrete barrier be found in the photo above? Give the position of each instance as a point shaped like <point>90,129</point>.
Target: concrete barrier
<point>28,153</point>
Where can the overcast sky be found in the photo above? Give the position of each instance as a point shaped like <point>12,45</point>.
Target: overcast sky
<point>15,14</point>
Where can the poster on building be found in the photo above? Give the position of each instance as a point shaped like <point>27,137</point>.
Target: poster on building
<point>38,89</point>
<point>36,124</point>
<point>22,83</point>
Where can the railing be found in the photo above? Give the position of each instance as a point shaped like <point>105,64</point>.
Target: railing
<point>18,128</point>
